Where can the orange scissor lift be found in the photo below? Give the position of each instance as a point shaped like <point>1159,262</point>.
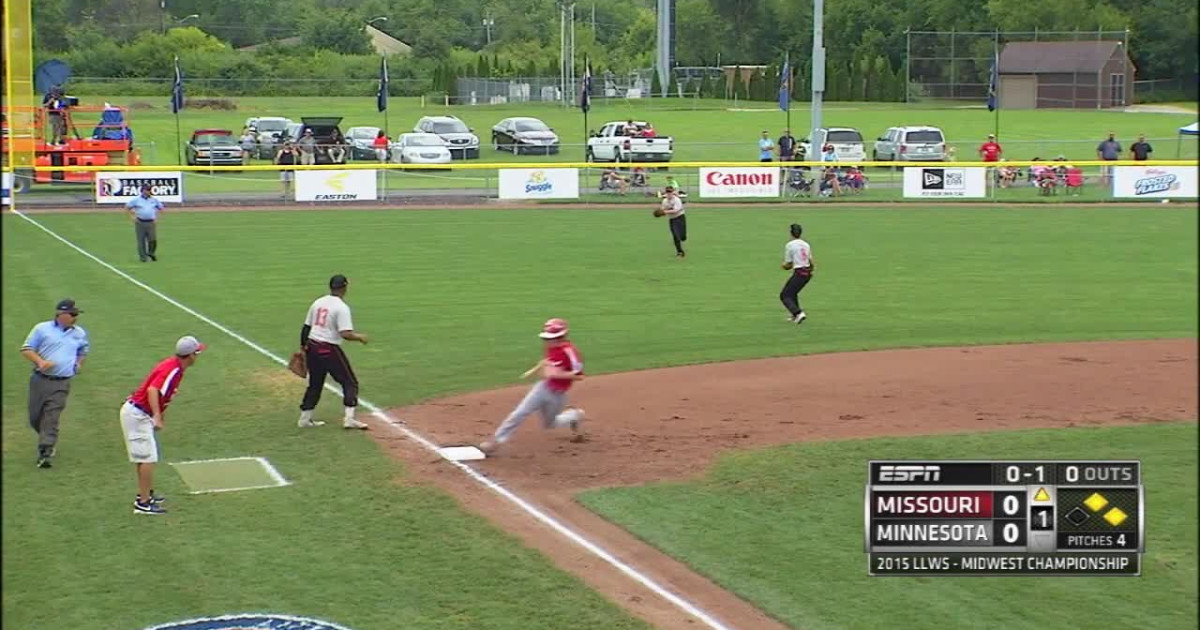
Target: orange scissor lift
<point>110,143</point>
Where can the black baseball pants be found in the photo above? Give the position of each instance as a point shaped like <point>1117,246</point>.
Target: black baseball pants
<point>678,232</point>
<point>790,295</point>
<point>328,359</point>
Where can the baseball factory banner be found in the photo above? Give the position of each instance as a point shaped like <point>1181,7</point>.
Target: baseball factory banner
<point>336,185</point>
<point>740,182</point>
<point>120,187</point>
<point>539,183</point>
<point>1154,182</point>
<point>6,189</point>
<point>954,183</point>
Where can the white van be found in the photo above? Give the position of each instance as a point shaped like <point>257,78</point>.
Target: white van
<point>847,145</point>
<point>911,144</point>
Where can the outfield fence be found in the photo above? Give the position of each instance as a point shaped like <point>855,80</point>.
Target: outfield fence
<point>589,183</point>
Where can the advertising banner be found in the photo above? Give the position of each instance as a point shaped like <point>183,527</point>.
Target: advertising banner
<point>337,185</point>
<point>937,182</point>
<point>740,182</point>
<point>120,187</point>
<point>539,183</point>
<point>1154,182</point>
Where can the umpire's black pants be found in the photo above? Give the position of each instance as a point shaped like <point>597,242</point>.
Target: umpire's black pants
<point>328,359</point>
<point>679,232</point>
<point>790,295</point>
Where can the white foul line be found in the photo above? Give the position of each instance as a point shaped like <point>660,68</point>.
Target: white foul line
<point>396,424</point>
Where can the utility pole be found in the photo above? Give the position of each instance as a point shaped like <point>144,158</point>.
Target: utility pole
<point>816,139</point>
<point>162,15</point>
<point>666,31</point>
<point>488,22</point>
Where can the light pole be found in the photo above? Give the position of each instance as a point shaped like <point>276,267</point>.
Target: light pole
<point>488,23</point>
<point>182,20</point>
<point>372,21</point>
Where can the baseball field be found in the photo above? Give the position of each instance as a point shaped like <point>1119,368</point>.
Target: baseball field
<point>720,484</point>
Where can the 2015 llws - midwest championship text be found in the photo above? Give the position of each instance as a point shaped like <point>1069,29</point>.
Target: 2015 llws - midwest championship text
<point>1004,518</point>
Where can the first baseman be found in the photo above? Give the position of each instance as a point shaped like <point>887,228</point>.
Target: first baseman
<point>142,415</point>
<point>326,326</point>
<point>560,368</point>
<point>797,258</point>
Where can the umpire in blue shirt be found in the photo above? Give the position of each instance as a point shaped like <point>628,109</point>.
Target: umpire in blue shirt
<point>144,210</point>
<point>57,349</point>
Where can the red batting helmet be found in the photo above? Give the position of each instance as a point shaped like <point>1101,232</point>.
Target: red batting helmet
<point>554,328</point>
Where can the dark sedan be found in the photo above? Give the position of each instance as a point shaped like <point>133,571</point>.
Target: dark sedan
<point>524,135</point>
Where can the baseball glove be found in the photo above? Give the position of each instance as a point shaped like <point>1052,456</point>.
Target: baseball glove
<point>658,212</point>
<point>298,364</point>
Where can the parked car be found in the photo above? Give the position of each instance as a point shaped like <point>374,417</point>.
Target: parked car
<point>362,142</point>
<point>322,128</point>
<point>847,143</point>
<point>421,148</point>
<point>463,142</point>
<point>214,147</point>
<point>269,130</point>
<point>911,144</point>
<point>524,135</point>
<point>613,144</point>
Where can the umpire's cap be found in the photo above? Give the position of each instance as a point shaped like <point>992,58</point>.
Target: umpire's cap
<point>338,282</point>
<point>796,229</point>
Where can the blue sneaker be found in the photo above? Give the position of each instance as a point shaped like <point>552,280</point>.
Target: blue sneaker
<point>147,508</point>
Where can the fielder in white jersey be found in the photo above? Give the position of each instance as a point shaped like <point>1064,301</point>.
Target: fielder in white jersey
<point>328,323</point>
<point>672,207</point>
<point>797,258</point>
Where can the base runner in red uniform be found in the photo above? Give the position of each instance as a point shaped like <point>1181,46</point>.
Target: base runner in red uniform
<point>142,415</point>
<point>562,366</point>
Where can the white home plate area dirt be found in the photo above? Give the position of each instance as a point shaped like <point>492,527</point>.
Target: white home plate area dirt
<point>672,423</point>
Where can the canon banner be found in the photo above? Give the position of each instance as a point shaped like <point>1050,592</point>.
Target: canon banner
<point>740,182</point>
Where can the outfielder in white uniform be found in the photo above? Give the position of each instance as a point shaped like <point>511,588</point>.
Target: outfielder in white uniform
<point>797,258</point>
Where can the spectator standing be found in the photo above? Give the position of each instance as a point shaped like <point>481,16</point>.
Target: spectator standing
<point>248,141</point>
<point>787,146</point>
<point>1109,150</point>
<point>1141,150</point>
<point>380,144</point>
<point>286,157</point>
<point>57,349</point>
<point>143,211</point>
<point>308,148</point>
<point>142,415</point>
<point>766,147</point>
<point>991,151</point>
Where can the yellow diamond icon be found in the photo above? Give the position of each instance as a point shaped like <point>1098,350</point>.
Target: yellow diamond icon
<point>1115,517</point>
<point>1096,502</point>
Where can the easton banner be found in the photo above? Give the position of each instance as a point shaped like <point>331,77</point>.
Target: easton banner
<point>336,185</point>
<point>120,187</point>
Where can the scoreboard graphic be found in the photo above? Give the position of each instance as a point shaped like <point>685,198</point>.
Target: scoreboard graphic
<point>986,518</point>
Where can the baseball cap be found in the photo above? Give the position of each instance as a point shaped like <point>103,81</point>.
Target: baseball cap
<point>554,328</point>
<point>67,305</point>
<point>338,281</point>
<point>188,345</point>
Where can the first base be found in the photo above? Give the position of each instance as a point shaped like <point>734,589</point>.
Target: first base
<point>461,453</point>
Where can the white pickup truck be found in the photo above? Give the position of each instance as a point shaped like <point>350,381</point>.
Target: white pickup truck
<point>614,144</point>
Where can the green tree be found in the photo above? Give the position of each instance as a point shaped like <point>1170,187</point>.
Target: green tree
<point>337,30</point>
<point>655,85</point>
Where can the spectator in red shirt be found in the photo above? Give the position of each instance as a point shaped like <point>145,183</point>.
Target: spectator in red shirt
<point>142,415</point>
<point>990,151</point>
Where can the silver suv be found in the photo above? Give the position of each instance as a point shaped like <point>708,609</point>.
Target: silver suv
<point>911,144</point>
<point>460,139</point>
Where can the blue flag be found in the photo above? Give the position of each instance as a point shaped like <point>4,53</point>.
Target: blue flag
<point>177,89</point>
<point>585,96</point>
<point>993,82</point>
<point>382,94</point>
<point>785,85</point>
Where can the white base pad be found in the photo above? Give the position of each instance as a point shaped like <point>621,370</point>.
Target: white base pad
<point>461,453</point>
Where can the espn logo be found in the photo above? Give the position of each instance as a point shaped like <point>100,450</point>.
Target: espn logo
<point>901,474</point>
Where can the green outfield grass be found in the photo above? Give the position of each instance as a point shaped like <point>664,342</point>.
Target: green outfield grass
<point>450,300</point>
<point>796,514</point>
<point>708,131</point>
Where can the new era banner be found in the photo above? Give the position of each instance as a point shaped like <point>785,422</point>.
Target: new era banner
<point>740,182</point>
<point>1154,182</point>
<point>955,183</point>
<point>539,183</point>
<point>120,187</point>
<point>336,185</point>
